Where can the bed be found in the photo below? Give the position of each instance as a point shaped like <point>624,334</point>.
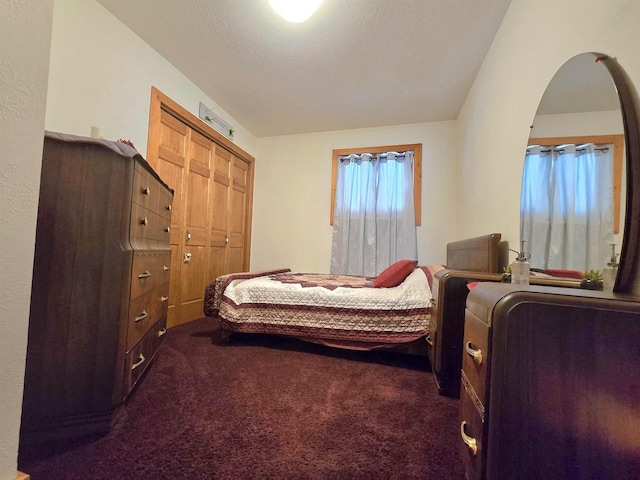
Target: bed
<point>364,313</point>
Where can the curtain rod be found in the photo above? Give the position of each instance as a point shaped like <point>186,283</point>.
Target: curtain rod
<point>376,155</point>
<point>579,148</point>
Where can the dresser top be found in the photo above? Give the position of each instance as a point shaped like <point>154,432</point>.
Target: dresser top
<point>120,148</point>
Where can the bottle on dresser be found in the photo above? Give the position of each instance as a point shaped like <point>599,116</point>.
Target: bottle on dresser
<point>610,271</point>
<point>520,267</point>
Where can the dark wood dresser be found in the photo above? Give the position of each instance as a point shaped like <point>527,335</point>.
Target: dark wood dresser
<point>444,342</point>
<point>100,285</point>
<point>551,384</point>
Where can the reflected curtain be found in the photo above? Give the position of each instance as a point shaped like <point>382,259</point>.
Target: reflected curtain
<point>567,206</point>
<point>374,218</point>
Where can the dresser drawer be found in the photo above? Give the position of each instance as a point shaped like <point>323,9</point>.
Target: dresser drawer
<point>147,224</point>
<point>475,353</point>
<point>151,194</point>
<point>149,271</point>
<point>138,359</point>
<point>470,439</point>
<point>146,190</point>
<point>144,311</point>
<point>166,203</point>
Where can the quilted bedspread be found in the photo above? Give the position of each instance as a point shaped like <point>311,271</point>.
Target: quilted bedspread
<point>345,308</point>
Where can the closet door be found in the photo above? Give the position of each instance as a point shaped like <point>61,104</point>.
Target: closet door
<point>238,212</point>
<point>184,163</point>
<point>211,223</point>
<point>221,186</point>
<point>229,214</point>
<point>195,257</point>
<point>170,162</point>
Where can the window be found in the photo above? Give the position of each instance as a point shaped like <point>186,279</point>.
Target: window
<point>417,171</point>
<point>373,206</point>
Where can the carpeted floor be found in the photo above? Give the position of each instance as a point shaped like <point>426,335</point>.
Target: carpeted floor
<point>267,407</point>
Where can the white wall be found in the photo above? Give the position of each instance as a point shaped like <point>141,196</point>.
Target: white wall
<point>292,195</point>
<point>101,75</point>
<point>24,59</point>
<point>534,40</point>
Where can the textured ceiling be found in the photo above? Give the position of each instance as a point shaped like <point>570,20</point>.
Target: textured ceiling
<point>354,64</point>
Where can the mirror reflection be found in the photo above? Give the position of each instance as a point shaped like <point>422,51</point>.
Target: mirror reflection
<point>571,212</point>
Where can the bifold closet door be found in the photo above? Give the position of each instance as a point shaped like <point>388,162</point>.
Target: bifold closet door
<point>184,163</point>
<point>229,213</point>
<point>171,159</point>
<point>212,181</point>
<point>238,212</point>
<point>195,255</point>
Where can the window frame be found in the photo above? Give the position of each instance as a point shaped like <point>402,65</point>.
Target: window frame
<point>416,148</point>
<point>618,154</point>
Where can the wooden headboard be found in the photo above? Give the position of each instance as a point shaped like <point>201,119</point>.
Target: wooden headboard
<point>479,254</point>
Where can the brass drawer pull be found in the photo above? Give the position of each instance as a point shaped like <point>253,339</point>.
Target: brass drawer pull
<point>161,332</point>
<point>167,229</point>
<point>146,191</point>
<point>473,353</point>
<point>164,298</point>
<point>165,268</point>
<point>470,442</point>
<point>141,317</point>
<point>146,274</point>
<point>140,361</point>
<point>428,339</point>
<point>432,301</point>
<point>168,208</point>
<point>144,221</point>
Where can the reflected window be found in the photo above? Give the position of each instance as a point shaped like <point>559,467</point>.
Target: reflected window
<point>567,207</point>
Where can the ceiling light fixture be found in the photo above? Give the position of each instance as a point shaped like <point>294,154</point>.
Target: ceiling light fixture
<point>295,11</point>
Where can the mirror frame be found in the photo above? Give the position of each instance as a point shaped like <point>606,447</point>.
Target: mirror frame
<point>628,278</point>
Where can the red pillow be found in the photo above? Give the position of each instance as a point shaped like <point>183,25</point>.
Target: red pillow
<point>394,275</point>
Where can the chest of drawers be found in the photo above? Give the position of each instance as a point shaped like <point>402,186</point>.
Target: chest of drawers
<point>100,285</point>
<point>550,384</point>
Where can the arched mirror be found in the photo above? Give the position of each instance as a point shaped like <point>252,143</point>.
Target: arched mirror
<point>578,175</point>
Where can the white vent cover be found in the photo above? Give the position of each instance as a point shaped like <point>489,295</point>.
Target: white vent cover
<point>207,115</point>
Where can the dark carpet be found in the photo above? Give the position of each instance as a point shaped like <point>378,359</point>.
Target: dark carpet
<point>268,407</point>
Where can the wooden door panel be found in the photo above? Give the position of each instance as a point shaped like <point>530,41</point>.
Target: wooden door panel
<point>173,132</point>
<point>220,194</point>
<point>201,151</point>
<point>236,259</point>
<point>172,175</point>
<point>197,202</point>
<point>218,263</point>
<point>219,207</point>
<point>240,172</point>
<point>237,212</point>
<point>192,274</point>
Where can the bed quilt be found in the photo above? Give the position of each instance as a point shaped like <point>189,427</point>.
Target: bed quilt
<point>322,306</point>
